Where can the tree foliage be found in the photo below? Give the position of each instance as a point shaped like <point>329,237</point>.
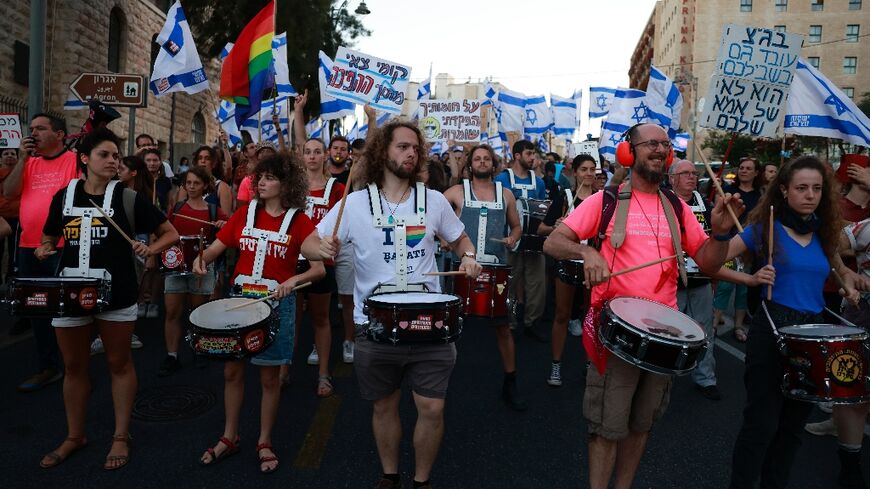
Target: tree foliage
<point>311,25</point>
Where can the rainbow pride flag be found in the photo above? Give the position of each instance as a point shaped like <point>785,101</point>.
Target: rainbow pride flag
<point>414,235</point>
<point>246,70</point>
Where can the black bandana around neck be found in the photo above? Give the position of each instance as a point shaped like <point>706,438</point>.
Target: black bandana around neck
<point>789,218</point>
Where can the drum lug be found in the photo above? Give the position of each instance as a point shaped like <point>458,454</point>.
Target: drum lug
<point>681,359</point>
<point>641,349</point>
<point>395,338</point>
<point>446,334</point>
<point>827,387</point>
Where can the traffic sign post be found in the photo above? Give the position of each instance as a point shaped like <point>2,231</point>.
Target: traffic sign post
<point>116,89</point>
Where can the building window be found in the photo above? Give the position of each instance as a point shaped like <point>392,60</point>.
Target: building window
<point>197,128</point>
<point>116,40</point>
<point>816,5</point>
<point>814,61</point>
<point>781,5</point>
<point>854,4</point>
<point>852,32</point>
<point>779,28</point>
<point>849,91</point>
<point>850,65</point>
<point>746,5</point>
<point>815,33</point>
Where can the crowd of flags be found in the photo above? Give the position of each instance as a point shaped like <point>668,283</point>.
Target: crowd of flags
<point>257,63</point>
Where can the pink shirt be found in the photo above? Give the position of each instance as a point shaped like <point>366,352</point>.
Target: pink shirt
<point>645,221</point>
<point>245,192</point>
<point>42,179</point>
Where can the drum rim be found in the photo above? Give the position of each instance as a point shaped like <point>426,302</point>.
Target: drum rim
<point>485,265</point>
<point>664,339</point>
<point>417,305</point>
<point>862,335</point>
<point>194,324</point>
<point>649,367</point>
<point>46,280</point>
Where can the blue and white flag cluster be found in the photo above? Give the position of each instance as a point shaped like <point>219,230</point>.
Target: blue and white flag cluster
<point>565,116</point>
<point>664,100</point>
<point>330,107</point>
<point>226,116</point>
<point>489,93</point>
<point>510,111</point>
<point>280,68</point>
<point>538,118</point>
<point>262,128</point>
<point>600,99</point>
<point>628,108</point>
<point>314,128</point>
<point>177,67</point>
<point>425,89</point>
<point>382,118</point>
<point>816,107</point>
<point>681,141</point>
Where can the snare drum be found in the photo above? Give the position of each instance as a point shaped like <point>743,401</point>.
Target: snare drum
<point>571,271</point>
<point>52,297</point>
<point>532,213</point>
<point>652,336</point>
<point>414,317</point>
<point>232,335</point>
<point>486,296</point>
<point>178,258</point>
<point>824,363</point>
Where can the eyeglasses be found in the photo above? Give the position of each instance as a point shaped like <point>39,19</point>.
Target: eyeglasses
<point>653,145</point>
<point>688,173</point>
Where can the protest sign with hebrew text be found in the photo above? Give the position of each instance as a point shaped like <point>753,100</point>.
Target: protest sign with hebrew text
<point>450,120</point>
<point>10,130</point>
<point>364,79</point>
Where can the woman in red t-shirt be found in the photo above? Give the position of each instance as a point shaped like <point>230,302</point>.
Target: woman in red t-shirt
<point>281,189</point>
<point>181,289</point>
<point>320,293</point>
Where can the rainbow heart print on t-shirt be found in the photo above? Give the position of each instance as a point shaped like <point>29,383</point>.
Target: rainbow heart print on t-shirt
<point>414,235</point>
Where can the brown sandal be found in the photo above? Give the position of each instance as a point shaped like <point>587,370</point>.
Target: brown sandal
<point>55,459</point>
<point>324,386</point>
<point>232,449</point>
<point>268,458</point>
<point>120,460</point>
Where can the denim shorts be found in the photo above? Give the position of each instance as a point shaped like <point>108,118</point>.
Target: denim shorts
<point>191,283</point>
<point>280,352</point>
<point>125,314</point>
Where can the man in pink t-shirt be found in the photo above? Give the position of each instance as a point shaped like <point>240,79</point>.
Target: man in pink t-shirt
<point>622,403</point>
<point>45,167</point>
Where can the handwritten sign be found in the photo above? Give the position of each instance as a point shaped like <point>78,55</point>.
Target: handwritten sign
<point>755,68</point>
<point>586,147</point>
<point>445,120</point>
<point>10,130</point>
<point>363,79</point>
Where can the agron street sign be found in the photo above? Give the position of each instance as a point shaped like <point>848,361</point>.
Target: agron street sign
<point>110,88</point>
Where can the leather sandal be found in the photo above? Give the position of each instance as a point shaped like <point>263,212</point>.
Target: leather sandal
<point>232,449</point>
<point>120,460</point>
<point>55,458</point>
<point>740,334</point>
<point>266,459</point>
<point>324,386</point>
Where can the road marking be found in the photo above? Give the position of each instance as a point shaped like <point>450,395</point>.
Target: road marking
<point>314,445</point>
<point>731,350</point>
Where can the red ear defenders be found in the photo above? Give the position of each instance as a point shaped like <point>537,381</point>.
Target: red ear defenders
<point>625,156</point>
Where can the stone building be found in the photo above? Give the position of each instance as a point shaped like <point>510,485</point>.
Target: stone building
<point>102,36</point>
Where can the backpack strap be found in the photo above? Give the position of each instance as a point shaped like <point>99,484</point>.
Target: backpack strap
<point>672,226</point>
<point>608,207</point>
<point>622,203</point>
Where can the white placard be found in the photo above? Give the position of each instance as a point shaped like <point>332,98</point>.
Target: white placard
<point>364,79</point>
<point>450,120</point>
<point>10,130</point>
<point>587,147</point>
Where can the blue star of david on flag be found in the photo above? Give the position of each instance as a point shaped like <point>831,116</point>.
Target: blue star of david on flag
<point>531,116</point>
<point>641,113</point>
<point>837,103</point>
<point>601,101</point>
<point>614,138</point>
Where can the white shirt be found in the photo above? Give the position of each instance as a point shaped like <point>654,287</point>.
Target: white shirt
<point>374,248</point>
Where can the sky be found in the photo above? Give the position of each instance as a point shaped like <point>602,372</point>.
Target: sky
<point>534,47</point>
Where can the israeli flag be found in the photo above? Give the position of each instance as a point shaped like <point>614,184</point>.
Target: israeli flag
<point>177,67</point>
<point>627,109</point>
<point>565,118</point>
<point>262,128</point>
<point>313,128</point>
<point>325,135</point>
<point>280,68</point>
<point>538,118</point>
<point>681,142</point>
<point>353,134</point>
<point>510,111</point>
<point>542,145</point>
<point>226,116</point>
<point>73,103</point>
<point>425,90</point>
<point>489,93</point>
<point>816,107</point>
<point>330,107</point>
<point>382,118</point>
<point>226,50</point>
<point>664,100</point>
<point>600,99</point>
<point>437,148</point>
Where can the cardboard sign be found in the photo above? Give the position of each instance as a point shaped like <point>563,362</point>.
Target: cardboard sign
<point>364,79</point>
<point>446,120</point>
<point>587,147</point>
<point>755,68</point>
<point>10,130</point>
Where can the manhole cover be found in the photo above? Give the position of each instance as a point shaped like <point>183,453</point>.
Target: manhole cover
<point>172,402</point>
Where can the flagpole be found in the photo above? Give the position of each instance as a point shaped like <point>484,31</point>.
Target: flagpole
<point>172,132</point>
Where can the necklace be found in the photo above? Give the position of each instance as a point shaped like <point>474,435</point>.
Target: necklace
<point>655,231</point>
<point>391,219</point>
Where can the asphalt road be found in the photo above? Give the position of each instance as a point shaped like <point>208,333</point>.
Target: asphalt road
<point>328,443</point>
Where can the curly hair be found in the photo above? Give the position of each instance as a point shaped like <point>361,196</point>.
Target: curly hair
<point>828,210</point>
<point>289,171</point>
<point>203,174</point>
<point>492,156</point>
<point>376,155</point>
<point>91,141</point>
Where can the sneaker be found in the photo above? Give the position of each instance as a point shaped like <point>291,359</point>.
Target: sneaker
<point>822,428</point>
<point>826,407</point>
<point>97,346</point>
<point>143,308</point>
<point>575,327</point>
<point>347,351</point>
<point>153,311</point>
<point>313,358</point>
<point>711,392</point>
<point>135,342</point>
<point>169,366</point>
<point>40,380</point>
<point>555,379</point>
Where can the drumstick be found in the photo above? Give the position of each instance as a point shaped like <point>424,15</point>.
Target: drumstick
<point>770,253</point>
<point>347,186</point>
<point>199,277</point>
<point>113,223</point>
<point>838,278</point>
<point>643,265</point>
<point>716,184</point>
<point>444,274</point>
<point>264,299</point>
<point>210,223</point>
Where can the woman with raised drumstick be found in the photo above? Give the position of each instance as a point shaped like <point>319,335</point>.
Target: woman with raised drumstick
<point>107,255</point>
<point>805,235</point>
<point>274,220</point>
<point>181,290</point>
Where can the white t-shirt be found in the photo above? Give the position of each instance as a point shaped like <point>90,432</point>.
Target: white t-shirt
<point>374,248</point>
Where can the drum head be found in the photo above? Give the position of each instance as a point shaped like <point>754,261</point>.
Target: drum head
<point>214,314</point>
<point>822,331</point>
<point>656,319</point>
<point>393,298</point>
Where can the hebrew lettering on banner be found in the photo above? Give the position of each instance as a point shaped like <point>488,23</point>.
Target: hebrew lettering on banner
<point>754,71</point>
<point>363,79</point>
<point>450,120</point>
<point>10,130</point>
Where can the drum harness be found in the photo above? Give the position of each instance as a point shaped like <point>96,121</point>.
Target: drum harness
<point>401,226</point>
<point>484,207</point>
<point>263,237</point>
<point>86,224</point>
<point>312,202</point>
<point>523,187</point>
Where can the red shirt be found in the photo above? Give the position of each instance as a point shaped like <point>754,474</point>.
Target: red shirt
<point>186,227</point>
<point>281,258</point>
<point>319,211</point>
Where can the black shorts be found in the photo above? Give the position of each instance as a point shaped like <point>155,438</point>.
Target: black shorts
<point>322,286</point>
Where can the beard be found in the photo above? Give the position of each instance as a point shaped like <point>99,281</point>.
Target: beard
<point>400,171</point>
<point>648,174</point>
<point>482,174</point>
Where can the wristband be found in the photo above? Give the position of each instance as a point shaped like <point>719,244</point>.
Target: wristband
<point>469,254</point>
<point>723,237</point>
